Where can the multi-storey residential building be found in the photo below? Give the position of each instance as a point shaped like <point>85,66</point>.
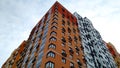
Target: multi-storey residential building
<point>62,40</point>
<point>95,50</point>
<point>54,42</point>
<point>114,53</point>
<point>17,56</point>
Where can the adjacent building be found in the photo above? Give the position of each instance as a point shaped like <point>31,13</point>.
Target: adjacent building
<point>62,40</point>
<point>114,53</point>
<point>95,50</point>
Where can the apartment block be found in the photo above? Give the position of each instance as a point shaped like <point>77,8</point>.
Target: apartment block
<point>62,40</point>
<point>95,50</point>
<point>114,53</point>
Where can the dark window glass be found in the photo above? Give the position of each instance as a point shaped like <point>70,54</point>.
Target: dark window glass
<point>68,23</point>
<point>79,63</point>
<point>69,30</point>
<point>75,39</point>
<point>54,23</point>
<point>69,39</point>
<point>51,54</point>
<point>63,60</point>
<point>74,31</point>
<point>54,18</point>
<point>53,28</point>
<point>55,15</point>
<point>49,64</point>
<point>63,22</point>
<point>63,30</point>
<point>53,33</point>
<point>52,46</point>
<point>64,53</point>
<point>63,40</point>
<point>63,15</point>
<point>53,39</point>
<point>71,50</point>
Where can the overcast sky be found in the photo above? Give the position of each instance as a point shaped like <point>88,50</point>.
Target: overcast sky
<point>18,17</point>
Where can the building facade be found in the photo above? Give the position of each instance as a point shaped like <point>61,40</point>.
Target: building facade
<point>95,50</point>
<point>114,53</point>
<point>62,40</point>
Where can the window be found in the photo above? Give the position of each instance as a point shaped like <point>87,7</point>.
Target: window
<point>71,65</point>
<point>68,23</point>
<point>81,47</point>
<point>51,54</point>
<point>70,50</point>
<point>31,49</point>
<point>55,18</point>
<point>43,28</point>
<point>63,22</point>
<point>63,60</point>
<point>40,56</point>
<point>69,30</point>
<point>74,31</point>
<point>39,59</point>
<point>77,49</point>
<point>40,36</point>
<point>75,39</point>
<point>69,43</point>
<point>36,31</point>
<point>64,53</point>
<point>63,40</point>
<point>49,64</point>
<point>53,28</point>
<point>55,15</point>
<point>53,39</point>
<point>63,44</point>
<point>53,33</point>
<point>63,15</point>
<point>78,30</point>
<point>54,23</point>
<point>79,38</point>
<point>79,63</point>
<point>56,10</point>
<point>56,6</point>
<point>34,59</point>
<point>69,39</point>
<point>71,56</point>
<point>88,36</point>
<point>63,30</point>
<point>77,53</point>
<point>52,46</point>
<point>37,46</point>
